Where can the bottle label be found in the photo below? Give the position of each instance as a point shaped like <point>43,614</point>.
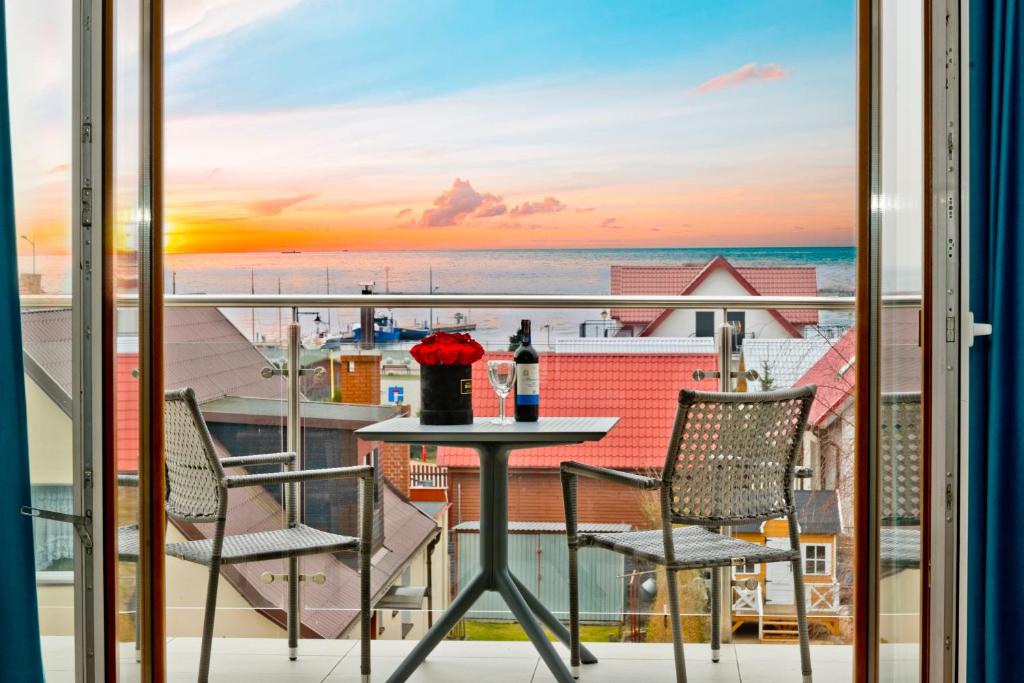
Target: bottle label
<point>527,384</point>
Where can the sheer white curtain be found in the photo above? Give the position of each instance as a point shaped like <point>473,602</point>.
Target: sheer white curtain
<point>54,541</point>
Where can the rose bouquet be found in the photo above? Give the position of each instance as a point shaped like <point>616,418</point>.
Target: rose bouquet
<point>443,348</point>
<point>446,377</point>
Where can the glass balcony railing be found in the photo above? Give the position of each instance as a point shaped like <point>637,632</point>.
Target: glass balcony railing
<point>237,352</point>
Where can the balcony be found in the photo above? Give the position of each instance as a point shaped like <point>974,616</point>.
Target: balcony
<point>428,498</point>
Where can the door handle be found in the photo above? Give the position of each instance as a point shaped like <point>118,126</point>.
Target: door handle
<point>976,329</point>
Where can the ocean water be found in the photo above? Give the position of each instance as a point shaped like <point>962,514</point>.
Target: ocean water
<point>544,271</point>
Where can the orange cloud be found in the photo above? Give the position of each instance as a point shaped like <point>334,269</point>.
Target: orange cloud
<point>744,74</point>
<point>459,203</point>
<point>273,207</point>
<point>546,205</point>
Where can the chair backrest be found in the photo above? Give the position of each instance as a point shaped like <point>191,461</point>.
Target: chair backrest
<point>899,427</point>
<point>194,473</point>
<point>731,456</point>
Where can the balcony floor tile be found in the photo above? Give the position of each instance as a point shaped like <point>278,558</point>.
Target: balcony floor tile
<point>252,660</point>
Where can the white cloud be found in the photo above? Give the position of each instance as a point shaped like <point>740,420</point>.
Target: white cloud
<point>193,21</point>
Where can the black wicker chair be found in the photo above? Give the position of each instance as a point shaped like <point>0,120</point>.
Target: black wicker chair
<point>731,459</point>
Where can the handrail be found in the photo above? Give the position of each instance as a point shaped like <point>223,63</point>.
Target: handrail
<point>489,301</point>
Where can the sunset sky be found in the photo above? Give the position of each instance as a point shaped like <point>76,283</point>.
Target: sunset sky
<point>320,124</point>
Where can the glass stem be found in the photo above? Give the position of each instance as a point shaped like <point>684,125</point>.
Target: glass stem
<point>501,407</point>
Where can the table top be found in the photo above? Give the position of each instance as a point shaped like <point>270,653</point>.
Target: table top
<point>549,430</point>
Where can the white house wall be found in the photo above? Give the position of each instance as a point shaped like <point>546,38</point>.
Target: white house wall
<point>683,322</point>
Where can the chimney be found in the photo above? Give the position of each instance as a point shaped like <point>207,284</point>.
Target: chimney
<point>357,378</point>
<point>394,462</point>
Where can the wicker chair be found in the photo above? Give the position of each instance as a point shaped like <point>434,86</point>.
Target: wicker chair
<point>899,426</point>
<point>197,491</point>
<point>731,459</point>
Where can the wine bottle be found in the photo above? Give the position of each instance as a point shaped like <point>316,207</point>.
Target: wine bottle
<point>527,377</point>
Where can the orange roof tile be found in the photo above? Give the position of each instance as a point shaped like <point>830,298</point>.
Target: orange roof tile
<point>642,390</point>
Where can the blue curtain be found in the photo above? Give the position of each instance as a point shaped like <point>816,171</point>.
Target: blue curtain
<point>996,475</point>
<point>19,618</point>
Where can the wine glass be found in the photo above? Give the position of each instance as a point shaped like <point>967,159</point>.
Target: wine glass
<point>502,374</point>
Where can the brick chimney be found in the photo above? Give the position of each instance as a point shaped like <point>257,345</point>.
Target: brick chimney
<point>394,461</point>
<point>357,378</point>
<point>394,464</point>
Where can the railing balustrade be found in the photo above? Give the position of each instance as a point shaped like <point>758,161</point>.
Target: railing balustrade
<point>425,476</point>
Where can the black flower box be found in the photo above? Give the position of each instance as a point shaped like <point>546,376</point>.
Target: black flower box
<point>446,394</point>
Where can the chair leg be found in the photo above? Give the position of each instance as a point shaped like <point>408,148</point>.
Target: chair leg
<point>677,625</point>
<point>208,617</point>
<point>716,613</point>
<point>801,619</point>
<point>364,606</point>
<point>574,613</point>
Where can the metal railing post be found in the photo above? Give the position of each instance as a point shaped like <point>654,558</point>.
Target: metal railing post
<point>723,575</point>
<point>292,501</point>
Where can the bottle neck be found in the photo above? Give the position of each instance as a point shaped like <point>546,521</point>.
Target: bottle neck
<point>525,336</point>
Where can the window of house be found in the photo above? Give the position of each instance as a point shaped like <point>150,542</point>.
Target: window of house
<point>54,541</point>
<point>816,559</point>
<point>747,568</point>
<point>705,324</point>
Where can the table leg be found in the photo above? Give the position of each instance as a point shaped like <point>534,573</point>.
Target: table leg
<point>494,575</point>
<point>515,601</point>
<point>550,620</point>
<point>460,605</point>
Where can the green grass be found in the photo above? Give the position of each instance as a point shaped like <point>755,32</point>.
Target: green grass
<point>482,630</point>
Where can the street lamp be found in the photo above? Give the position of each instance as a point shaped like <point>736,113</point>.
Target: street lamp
<point>33,243</point>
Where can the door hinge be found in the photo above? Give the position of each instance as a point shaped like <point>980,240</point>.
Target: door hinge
<point>82,524</point>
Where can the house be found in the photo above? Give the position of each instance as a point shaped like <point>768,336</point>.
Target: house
<point>718,277</point>
<point>831,424</point>
<point>769,602</point>
<point>245,415</point>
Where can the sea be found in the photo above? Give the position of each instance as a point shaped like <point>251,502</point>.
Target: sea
<point>516,271</point>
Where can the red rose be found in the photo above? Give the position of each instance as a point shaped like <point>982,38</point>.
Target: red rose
<point>443,348</point>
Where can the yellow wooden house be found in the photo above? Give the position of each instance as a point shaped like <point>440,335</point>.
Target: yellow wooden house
<point>763,594</point>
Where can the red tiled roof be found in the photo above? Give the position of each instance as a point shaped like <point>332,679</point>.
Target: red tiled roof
<point>835,373</point>
<point>642,390</point>
<point>835,376</point>
<point>126,400</point>
<point>670,280</point>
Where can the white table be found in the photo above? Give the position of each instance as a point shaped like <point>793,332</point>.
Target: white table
<point>494,443</point>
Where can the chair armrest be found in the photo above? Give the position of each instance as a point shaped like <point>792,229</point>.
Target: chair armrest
<point>264,459</point>
<point>128,480</point>
<point>570,469</point>
<point>801,472</point>
<point>360,472</point>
